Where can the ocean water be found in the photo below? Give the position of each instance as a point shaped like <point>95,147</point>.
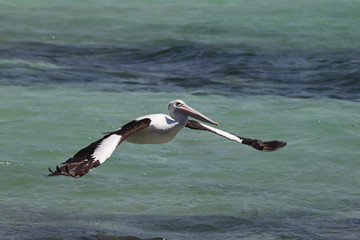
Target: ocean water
<point>285,70</point>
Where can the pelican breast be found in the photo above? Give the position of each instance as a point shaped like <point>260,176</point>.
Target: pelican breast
<point>162,129</point>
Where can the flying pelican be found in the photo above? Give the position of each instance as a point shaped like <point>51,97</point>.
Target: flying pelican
<point>150,129</point>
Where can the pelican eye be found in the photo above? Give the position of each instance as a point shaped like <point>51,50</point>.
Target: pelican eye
<point>178,104</point>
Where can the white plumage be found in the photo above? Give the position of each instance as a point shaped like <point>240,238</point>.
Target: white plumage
<point>106,148</point>
<point>150,129</point>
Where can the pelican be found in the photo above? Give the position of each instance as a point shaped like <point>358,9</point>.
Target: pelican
<point>150,129</point>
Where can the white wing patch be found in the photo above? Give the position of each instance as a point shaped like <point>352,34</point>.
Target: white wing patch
<point>255,143</point>
<point>223,133</point>
<point>106,148</point>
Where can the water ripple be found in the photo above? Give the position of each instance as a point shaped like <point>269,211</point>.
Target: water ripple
<point>187,67</point>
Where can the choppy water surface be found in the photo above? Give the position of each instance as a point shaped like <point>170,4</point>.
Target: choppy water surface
<point>189,67</point>
<point>289,71</point>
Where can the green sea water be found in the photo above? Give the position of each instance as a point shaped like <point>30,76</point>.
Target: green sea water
<point>283,70</point>
<point>260,25</point>
<point>197,185</point>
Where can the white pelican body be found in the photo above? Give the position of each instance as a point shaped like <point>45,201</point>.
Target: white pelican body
<point>162,129</point>
<point>150,129</point>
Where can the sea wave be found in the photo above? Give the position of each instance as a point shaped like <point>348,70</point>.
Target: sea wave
<point>186,67</point>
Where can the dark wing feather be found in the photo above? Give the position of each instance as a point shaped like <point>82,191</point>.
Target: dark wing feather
<point>255,143</point>
<point>84,160</point>
<point>263,146</point>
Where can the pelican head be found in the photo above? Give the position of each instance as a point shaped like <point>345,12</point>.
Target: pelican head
<point>179,107</point>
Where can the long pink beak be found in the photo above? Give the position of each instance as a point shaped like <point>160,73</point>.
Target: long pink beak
<point>189,111</point>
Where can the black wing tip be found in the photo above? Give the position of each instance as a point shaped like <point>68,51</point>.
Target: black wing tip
<point>75,170</point>
<point>272,145</point>
<point>54,173</point>
<point>268,146</point>
<point>64,170</point>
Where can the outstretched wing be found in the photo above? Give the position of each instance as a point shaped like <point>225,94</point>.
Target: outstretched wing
<point>255,143</point>
<point>97,152</point>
